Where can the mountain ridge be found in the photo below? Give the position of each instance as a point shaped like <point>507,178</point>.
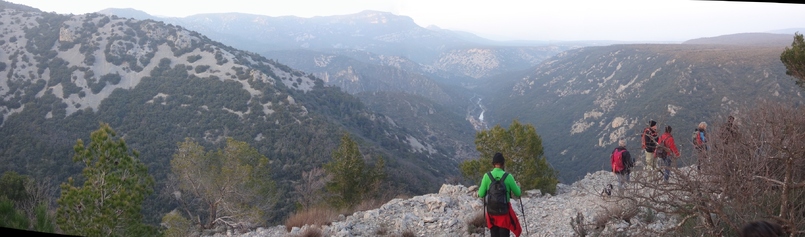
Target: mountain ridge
<point>585,99</point>
<point>748,39</point>
<point>157,84</point>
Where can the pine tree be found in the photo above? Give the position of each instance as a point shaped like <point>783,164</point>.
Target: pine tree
<point>109,203</point>
<point>522,147</point>
<point>12,186</point>
<point>794,59</point>
<point>352,180</point>
<point>10,217</point>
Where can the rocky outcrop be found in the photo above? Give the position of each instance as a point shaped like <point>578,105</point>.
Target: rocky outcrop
<point>448,212</point>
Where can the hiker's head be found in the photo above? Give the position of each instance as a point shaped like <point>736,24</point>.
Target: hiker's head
<point>730,119</point>
<point>622,142</point>
<point>762,229</point>
<point>668,129</point>
<point>652,124</point>
<point>498,160</point>
<point>702,125</point>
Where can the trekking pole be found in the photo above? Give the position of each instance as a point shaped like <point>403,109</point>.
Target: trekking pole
<point>524,217</point>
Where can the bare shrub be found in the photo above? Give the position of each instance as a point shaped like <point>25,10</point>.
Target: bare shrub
<point>647,216</point>
<point>312,216</point>
<point>578,225</point>
<point>600,221</point>
<point>758,165</point>
<point>40,193</point>
<point>311,232</point>
<point>403,196</point>
<point>754,169</point>
<point>382,229</point>
<point>368,205</point>
<point>310,188</point>
<point>408,233</point>
<point>477,223</point>
<point>617,209</point>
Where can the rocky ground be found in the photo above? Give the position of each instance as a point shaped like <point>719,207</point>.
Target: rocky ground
<point>449,213</point>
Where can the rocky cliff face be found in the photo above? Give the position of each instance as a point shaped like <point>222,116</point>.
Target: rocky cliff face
<point>448,213</point>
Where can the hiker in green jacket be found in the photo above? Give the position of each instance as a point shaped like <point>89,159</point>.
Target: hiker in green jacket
<point>498,161</point>
<point>501,224</point>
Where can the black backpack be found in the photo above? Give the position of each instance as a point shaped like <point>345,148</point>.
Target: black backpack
<point>662,150</point>
<point>496,201</point>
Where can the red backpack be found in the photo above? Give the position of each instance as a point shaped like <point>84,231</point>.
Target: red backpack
<point>617,160</point>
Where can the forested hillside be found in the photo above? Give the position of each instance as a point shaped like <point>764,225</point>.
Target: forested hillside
<point>158,84</point>
<point>581,101</point>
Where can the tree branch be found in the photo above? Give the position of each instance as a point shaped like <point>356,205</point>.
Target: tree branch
<point>771,180</point>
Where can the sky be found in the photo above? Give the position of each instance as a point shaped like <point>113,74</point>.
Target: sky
<point>553,20</point>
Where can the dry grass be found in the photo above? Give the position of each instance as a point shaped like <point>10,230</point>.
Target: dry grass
<point>382,229</point>
<point>623,210</point>
<point>408,233</point>
<point>311,232</point>
<point>325,215</point>
<point>601,219</point>
<point>368,205</point>
<point>578,225</point>
<point>313,216</point>
<point>477,224</point>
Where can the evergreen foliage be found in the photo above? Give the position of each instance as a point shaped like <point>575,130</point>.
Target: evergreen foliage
<point>10,217</point>
<point>352,180</point>
<point>794,59</point>
<point>176,224</point>
<point>43,221</point>
<point>22,204</point>
<point>109,203</point>
<point>522,147</point>
<point>12,186</point>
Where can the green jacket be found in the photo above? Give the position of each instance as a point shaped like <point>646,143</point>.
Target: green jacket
<point>511,185</point>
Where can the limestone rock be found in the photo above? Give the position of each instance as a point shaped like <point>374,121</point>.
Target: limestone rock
<point>449,212</point>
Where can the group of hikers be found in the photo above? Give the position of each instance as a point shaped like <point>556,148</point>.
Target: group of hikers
<point>497,186</point>
<point>660,151</point>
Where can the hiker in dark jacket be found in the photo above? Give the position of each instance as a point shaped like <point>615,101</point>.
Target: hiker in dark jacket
<point>762,229</point>
<point>628,163</point>
<point>700,143</point>
<point>500,225</point>
<point>666,149</point>
<point>729,131</point>
<point>649,139</point>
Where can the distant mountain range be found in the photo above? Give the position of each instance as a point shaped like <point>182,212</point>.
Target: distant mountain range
<point>373,51</point>
<point>746,39</point>
<point>373,31</point>
<point>788,31</point>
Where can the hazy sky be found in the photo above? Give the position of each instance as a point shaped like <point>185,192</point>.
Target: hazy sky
<point>631,20</point>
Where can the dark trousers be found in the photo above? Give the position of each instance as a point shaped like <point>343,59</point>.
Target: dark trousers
<point>666,164</point>
<point>499,232</point>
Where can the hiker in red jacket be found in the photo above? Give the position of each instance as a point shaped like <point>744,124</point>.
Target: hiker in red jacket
<point>622,163</point>
<point>666,149</point>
